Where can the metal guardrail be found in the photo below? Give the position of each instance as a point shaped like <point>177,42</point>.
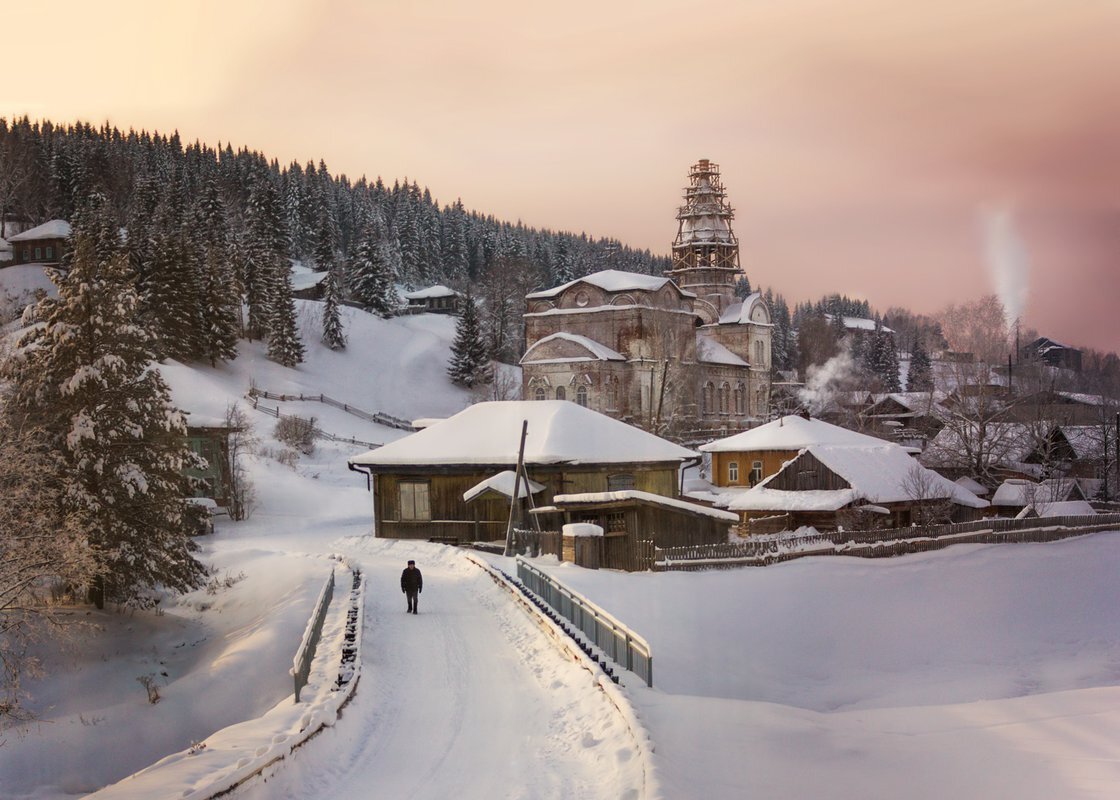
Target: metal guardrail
<point>622,645</point>
<point>301,664</point>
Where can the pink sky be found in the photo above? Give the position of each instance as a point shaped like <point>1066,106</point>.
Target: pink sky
<point>862,143</point>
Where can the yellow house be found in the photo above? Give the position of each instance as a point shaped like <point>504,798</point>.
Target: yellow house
<point>748,458</point>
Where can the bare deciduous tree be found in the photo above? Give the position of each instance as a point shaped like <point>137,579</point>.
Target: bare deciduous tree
<point>242,441</point>
<point>931,502</point>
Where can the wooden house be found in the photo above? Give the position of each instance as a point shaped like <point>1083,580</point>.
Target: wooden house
<point>1053,353</point>
<point>634,522</point>
<point>829,486</point>
<point>748,458</point>
<point>436,299</point>
<point>307,284</point>
<point>43,244</point>
<point>442,482</point>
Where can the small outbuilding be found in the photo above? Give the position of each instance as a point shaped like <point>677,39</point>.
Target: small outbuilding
<point>633,523</point>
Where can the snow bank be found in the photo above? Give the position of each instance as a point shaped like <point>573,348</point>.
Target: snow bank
<point>234,754</point>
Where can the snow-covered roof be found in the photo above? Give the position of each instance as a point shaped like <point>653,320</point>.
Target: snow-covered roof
<point>302,280</point>
<point>791,432</point>
<point>762,499</point>
<point>581,529</point>
<point>560,432</point>
<point>1087,399</point>
<point>503,484</point>
<point>740,313</point>
<point>596,351</point>
<point>647,497</point>
<point>1087,441</point>
<point>860,324</point>
<point>709,351</point>
<point>876,474</point>
<point>439,290</point>
<point>1022,492</point>
<point>922,402</point>
<point>1004,443</point>
<point>1065,508</point>
<point>55,229</point>
<point>972,485</point>
<point>611,280</point>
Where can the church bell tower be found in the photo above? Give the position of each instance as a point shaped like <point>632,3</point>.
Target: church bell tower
<point>706,252</point>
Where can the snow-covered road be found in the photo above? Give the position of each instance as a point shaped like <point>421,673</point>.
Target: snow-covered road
<point>468,698</point>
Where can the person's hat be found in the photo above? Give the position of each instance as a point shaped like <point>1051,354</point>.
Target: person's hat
<point>411,563</point>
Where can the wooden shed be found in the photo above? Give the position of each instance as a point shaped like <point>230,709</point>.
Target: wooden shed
<point>634,522</point>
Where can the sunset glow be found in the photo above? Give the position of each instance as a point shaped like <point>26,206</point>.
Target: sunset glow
<point>863,145</point>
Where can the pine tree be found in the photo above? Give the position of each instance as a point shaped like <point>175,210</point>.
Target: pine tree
<point>284,345</point>
<point>469,360</point>
<point>742,287</point>
<point>264,257</point>
<point>333,335</point>
<point>220,298</point>
<point>920,376</point>
<point>885,364</point>
<point>85,378</point>
<point>371,272</point>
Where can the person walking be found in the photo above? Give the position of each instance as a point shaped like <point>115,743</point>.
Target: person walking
<point>412,584</point>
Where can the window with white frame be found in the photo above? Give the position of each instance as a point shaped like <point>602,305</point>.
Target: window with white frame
<point>733,472</point>
<point>756,472</point>
<point>581,395</point>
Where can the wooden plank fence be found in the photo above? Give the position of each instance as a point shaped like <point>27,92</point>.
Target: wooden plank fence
<point>318,432</point>
<point>775,548</point>
<point>388,420</point>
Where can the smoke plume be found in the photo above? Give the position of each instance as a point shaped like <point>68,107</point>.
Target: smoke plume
<point>823,381</point>
<point>1007,262</point>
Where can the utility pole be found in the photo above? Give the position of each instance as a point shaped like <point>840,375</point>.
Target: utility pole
<point>514,501</point>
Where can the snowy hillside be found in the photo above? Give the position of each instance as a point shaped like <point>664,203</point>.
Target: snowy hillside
<point>970,672</point>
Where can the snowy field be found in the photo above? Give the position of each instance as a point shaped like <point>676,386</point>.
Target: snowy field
<point>977,671</point>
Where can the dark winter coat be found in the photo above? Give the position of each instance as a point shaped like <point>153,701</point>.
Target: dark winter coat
<point>412,580</point>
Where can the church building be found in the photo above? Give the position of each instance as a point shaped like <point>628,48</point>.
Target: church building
<point>679,355</point>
